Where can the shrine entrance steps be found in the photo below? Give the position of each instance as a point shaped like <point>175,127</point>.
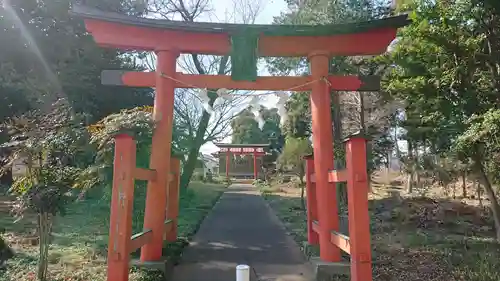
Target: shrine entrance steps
<point>242,229</point>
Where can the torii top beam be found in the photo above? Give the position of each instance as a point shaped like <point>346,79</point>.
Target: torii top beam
<point>133,33</point>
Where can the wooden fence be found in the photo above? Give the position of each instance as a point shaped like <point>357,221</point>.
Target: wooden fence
<point>121,241</point>
<point>322,212</point>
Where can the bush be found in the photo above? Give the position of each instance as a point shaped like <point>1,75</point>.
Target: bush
<point>198,177</point>
<point>6,252</point>
<point>295,182</point>
<point>210,177</point>
<point>260,184</point>
<point>227,181</point>
<point>279,178</point>
<point>222,180</point>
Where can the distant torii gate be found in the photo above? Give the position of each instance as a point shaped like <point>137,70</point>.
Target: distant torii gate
<point>227,150</point>
<point>245,43</point>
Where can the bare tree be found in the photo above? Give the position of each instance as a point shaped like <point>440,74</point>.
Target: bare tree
<point>246,11</point>
<point>188,112</point>
<point>366,110</point>
<point>198,126</point>
<point>362,110</point>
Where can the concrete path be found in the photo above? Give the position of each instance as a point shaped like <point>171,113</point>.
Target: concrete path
<point>242,229</point>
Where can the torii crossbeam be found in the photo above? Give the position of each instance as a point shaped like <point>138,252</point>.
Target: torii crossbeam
<point>244,43</point>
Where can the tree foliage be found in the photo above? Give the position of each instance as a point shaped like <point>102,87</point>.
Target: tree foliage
<point>50,90</point>
<point>51,144</point>
<point>291,159</point>
<point>245,129</point>
<point>446,70</point>
<point>46,54</point>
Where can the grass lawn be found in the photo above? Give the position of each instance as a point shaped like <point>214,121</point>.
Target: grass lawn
<point>414,238</point>
<point>80,240</point>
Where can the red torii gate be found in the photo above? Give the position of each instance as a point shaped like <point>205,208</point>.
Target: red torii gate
<point>171,38</point>
<point>256,150</point>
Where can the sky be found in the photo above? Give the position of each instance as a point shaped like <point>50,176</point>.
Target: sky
<point>269,10</point>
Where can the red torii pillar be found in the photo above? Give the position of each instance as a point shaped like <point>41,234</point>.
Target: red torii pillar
<point>323,151</point>
<point>255,170</point>
<point>122,202</point>
<point>228,157</point>
<point>359,217</point>
<point>160,154</point>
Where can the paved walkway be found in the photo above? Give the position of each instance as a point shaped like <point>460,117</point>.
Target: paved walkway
<point>242,229</point>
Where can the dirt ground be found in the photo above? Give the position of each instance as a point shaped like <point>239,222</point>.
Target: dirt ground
<point>425,236</point>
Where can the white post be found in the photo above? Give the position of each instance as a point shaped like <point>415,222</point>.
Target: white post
<point>243,272</point>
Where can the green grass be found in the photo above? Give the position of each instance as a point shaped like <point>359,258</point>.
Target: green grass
<point>80,239</point>
<point>291,214</point>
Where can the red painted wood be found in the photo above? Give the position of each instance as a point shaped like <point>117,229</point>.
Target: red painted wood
<point>128,37</point>
<point>156,198</point>
<point>323,157</point>
<point>341,241</point>
<point>144,174</point>
<point>255,168</point>
<point>315,227</point>
<point>120,229</point>
<point>228,156</point>
<point>140,240</point>
<point>266,83</point>
<point>244,153</point>
<point>337,176</point>
<point>359,219</point>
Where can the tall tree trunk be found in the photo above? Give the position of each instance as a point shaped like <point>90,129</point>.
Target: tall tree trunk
<point>302,174</point>
<point>446,190</point>
<point>494,205</point>
<point>416,169</point>
<point>338,146</point>
<point>398,153</point>
<point>302,194</point>
<point>44,229</point>
<point>411,164</point>
<point>396,146</point>
<point>369,147</point>
<point>190,164</point>
<point>464,184</point>
<point>479,195</point>
<point>362,124</point>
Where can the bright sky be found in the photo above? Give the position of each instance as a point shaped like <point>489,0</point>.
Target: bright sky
<point>269,10</point>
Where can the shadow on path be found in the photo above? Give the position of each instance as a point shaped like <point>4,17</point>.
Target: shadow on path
<point>242,229</point>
